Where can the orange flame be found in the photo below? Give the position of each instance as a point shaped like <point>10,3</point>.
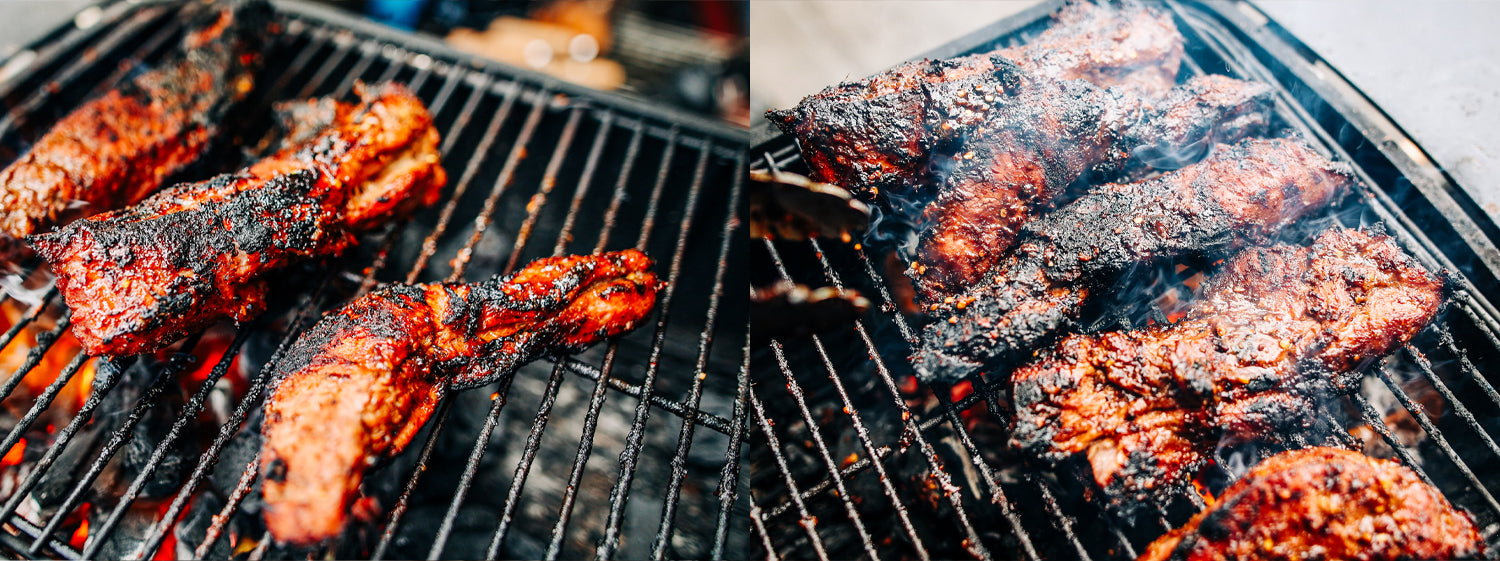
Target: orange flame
<point>14,455</point>
<point>81,535</point>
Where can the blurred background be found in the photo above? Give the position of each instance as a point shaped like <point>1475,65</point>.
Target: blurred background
<point>691,55</point>
<point>1434,67</point>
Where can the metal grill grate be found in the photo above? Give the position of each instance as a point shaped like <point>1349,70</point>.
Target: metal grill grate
<point>853,462</point>
<point>541,168</point>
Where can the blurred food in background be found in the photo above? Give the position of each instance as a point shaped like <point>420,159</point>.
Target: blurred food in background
<point>691,55</point>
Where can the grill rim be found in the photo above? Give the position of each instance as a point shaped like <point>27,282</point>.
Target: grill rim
<point>774,149</point>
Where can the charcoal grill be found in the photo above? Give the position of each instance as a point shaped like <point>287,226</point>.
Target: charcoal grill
<point>854,459</point>
<point>538,167</point>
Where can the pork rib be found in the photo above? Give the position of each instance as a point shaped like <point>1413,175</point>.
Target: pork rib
<point>1277,327</point>
<point>139,278</point>
<point>357,387</point>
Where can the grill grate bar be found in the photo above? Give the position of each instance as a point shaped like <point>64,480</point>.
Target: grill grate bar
<point>807,520</point>
<point>864,440</point>
<point>117,440</point>
<point>700,368</point>
<point>104,381</point>
<point>65,77</point>
<point>590,165</point>
<point>580,461</point>
<point>156,42</point>
<point>728,489</point>
<point>366,58</point>
<point>635,440</point>
<point>216,529</point>
<point>26,527</point>
<point>44,401</point>
<point>31,314</point>
<point>945,480</point>
<point>314,45</point>
<point>1420,414</point>
<point>549,181</point>
<point>523,468</point>
<point>231,426</point>
<point>1458,406</point>
<point>343,45</point>
<point>987,473</point>
<point>708,420</point>
<point>429,245</point>
<point>507,173</point>
<point>460,263</point>
<point>44,342</point>
<point>1373,418</point>
<point>596,399</point>
<point>399,510</point>
<point>1050,502</point>
<point>1446,337</point>
<point>544,412</point>
<point>188,414</point>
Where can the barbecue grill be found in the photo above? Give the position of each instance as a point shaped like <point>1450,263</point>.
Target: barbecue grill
<point>855,459</point>
<point>643,455</point>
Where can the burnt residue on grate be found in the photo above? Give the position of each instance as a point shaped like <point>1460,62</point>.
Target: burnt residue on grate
<point>857,459</point>
<point>629,449</point>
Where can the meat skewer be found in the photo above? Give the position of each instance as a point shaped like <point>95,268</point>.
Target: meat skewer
<point>117,149</point>
<point>1277,327</point>
<point>1240,195</point>
<point>358,386</point>
<point>139,278</point>
<point>1324,503</point>
<point>870,135</point>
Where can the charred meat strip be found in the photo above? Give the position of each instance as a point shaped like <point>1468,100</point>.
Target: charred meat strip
<point>141,277</point>
<point>356,388</point>
<point>1035,138</point>
<point>1276,328</point>
<point>869,135</point>
<point>1325,503</point>
<point>119,148</point>
<point>1107,44</point>
<point>1240,195</point>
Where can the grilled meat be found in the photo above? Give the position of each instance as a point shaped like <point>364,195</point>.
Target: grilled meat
<point>356,388</point>
<point>1324,503</point>
<point>141,277</point>
<point>1040,136</point>
<point>119,148</point>
<point>1107,44</point>
<point>869,135</point>
<point>1241,195</point>
<point>1276,327</point>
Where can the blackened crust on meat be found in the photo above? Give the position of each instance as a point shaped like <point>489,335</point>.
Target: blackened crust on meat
<point>121,147</point>
<point>1276,328</point>
<point>1109,44</point>
<point>1325,503</point>
<point>1037,138</point>
<point>1241,195</point>
<point>141,277</point>
<point>359,385</point>
<point>867,135</point>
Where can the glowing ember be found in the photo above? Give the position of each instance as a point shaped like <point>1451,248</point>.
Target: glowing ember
<point>13,456</point>
<point>81,535</point>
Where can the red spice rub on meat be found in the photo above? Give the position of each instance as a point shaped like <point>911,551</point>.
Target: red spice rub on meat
<point>139,278</point>
<point>1276,327</point>
<point>1324,503</point>
<point>356,388</point>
